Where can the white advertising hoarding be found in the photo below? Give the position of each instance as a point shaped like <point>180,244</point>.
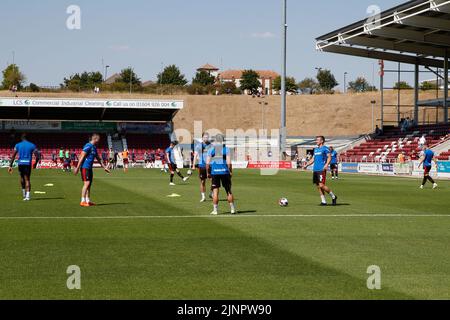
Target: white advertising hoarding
<point>369,167</point>
<point>91,103</point>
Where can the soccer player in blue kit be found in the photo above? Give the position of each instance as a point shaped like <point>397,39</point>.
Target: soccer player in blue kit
<point>427,160</point>
<point>86,163</point>
<point>25,150</point>
<point>321,160</point>
<point>170,158</point>
<point>200,157</point>
<point>334,164</point>
<point>219,168</point>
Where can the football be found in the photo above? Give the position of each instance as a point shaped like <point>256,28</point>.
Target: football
<point>283,202</point>
<point>189,172</point>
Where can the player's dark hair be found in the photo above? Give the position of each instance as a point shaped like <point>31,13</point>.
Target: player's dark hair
<point>94,134</point>
<point>321,137</point>
<point>23,136</point>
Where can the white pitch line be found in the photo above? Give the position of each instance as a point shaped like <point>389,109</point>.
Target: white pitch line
<point>235,216</point>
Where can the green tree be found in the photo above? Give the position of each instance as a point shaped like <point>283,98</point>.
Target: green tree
<point>128,76</point>
<point>291,84</point>
<point>326,80</point>
<point>402,85</point>
<point>172,75</point>
<point>360,85</point>
<point>250,81</point>
<point>203,78</point>
<point>428,85</point>
<point>34,88</point>
<point>83,81</point>
<point>228,87</point>
<point>12,77</point>
<point>308,86</point>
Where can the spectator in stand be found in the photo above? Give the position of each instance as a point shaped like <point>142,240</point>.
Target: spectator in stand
<point>409,123</point>
<point>54,158</point>
<point>422,141</point>
<point>404,125</point>
<point>378,131</point>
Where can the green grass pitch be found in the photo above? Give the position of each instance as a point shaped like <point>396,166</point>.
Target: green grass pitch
<point>173,249</point>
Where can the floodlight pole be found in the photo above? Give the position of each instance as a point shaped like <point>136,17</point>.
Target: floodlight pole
<point>445,105</point>
<point>283,82</point>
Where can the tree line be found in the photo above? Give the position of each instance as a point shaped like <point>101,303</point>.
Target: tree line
<point>172,80</point>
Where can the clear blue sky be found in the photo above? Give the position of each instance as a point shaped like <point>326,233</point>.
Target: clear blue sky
<point>148,33</point>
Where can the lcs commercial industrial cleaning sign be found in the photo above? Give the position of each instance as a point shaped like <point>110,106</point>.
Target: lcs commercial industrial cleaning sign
<point>92,103</point>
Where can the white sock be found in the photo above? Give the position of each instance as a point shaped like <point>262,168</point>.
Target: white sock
<point>27,195</point>
<point>83,199</point>
<point>24,193</point>
<point>203,195</point>
<point>88,200</point>
<point>232,206</point>
<point>216,207</point>
<point>332,195</point>
<point>323,199</point>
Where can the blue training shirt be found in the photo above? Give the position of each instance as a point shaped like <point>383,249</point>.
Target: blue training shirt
<point>334,157</point>
<point>25,151</point>
<point>429,155</point>
<point>171,153</point>
<point>320,158</point>
<point>219,160</point>
<point>202,150</point>
<point>91,155</point>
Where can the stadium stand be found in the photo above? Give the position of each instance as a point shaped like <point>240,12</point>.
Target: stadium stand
<point>140,143</point>
<point>444,156</point>
<point>393,141</point>
<point>49,143</point>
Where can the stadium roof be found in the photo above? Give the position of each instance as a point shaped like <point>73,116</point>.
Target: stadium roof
<point>416,32</point>
<point>89,109</point>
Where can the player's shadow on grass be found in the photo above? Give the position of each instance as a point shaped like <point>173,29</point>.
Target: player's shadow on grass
<point>48,199</point>
<point>113,204</point>
<point>247,211</point>
<point>339,205</point>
